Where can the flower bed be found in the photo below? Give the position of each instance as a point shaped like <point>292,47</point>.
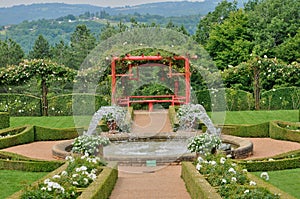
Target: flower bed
<point>226,179</point>
<point>82,177</point>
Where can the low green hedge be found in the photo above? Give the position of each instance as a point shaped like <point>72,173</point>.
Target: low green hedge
<point>172,116</point>
<point>4,120</point>
<point>20,135</point>
<point>285,131</point>
<point>255,130</point>
<point>196,184</point>
<point>102,187</point>
<point>198,187</point>
<point>12,161</point>
<point>46,134</point>
<point>270,164</point>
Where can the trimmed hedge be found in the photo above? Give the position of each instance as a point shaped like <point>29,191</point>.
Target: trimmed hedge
<point>255,130</point>
<point>20,135</point>
<point>4,120</point>
<point>271,165</point>
<point>172,116</point>
<point>20,104</point>
<point>281,98</point>
<point>198,187</point>
<point>196,184</point>
<point>102,187</point>
<point>46,134</point>
<point>285,131</point>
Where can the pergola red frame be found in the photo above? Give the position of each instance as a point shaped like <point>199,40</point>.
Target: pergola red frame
<point>173,99</point>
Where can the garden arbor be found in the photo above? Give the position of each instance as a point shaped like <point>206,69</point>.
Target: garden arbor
<point>130,72</point>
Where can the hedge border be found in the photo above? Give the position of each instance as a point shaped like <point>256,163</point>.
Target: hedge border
<point>198,187</point>
<point>280,133</point>
<point>12,161</point>
<point>26,136</point>
<point>196,184</point>
<point>100,188</point>
<point>4,120</point>
<point>47,134</point>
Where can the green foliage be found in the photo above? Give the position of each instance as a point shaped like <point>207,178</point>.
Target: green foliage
<point>285,131</point>
<point>4,120</point>
<point>244,130</point>
<point>19,135</point>
<point>236,100</point>
<point>281,98</point>
<point>230,42</point>
<point>20,104</point>
<point>89,144</point>
<point>41,49</point>
<point>196,183</point>
<point>44,133</point>
<point>10,53</point>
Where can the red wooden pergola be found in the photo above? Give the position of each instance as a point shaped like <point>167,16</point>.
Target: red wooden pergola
<point>174,99</point>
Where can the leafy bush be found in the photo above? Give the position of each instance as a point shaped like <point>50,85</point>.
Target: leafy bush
<point>44,133</point>
<point>20,104</point>
<point>4,120</point>
<point>255,130</point>
<point>282,98</point>
<point>20,135</point>
<point>285,131</point>
<point>204,144</point>
<point>80,173</point>
<point>89,144</point>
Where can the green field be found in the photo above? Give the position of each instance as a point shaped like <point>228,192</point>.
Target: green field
<point>286,180</point>
<point>13,181</point>
<point>231,117</point>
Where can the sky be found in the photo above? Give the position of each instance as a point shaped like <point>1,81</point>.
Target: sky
<point>102,3</point>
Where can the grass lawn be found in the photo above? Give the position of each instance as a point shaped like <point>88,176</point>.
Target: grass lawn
<point>13,181</point>
<point>232,117</point>
<point>257,117</point>
<point>286,180</point>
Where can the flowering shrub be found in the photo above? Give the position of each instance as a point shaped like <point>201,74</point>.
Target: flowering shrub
<point>204,143</point>
<point>230,179</point>
<point>89,144</point>
<point>80,173</point>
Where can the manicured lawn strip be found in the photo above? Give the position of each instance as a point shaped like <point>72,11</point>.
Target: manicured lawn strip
<point>257,117</point>
<point>13,181</point>
<point>52,122</point>
<point>286,180</point>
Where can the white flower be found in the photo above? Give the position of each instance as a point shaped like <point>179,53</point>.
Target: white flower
<point>231,170</point>
<point>252,183</point>
<point>222,160</point>
<point>233,164</point>
<point>200,159</point>
<point>198,166</point>
<point>213,162</point>
<point>56,176</point>
<point>43,188</point>
<point>75,175</point>
<point>270,159</point>
<point>46,181</point>
<point>64,173</point>
<point>246,191</point>
<point>75,183</point>
<point>233,179</point>
<point>264,175</point>
<point>245,170</point>
<point>224,181</point>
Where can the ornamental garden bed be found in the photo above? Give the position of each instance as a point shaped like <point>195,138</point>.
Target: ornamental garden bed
<point>83,177</point>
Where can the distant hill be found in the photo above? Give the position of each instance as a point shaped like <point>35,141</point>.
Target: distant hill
<point>17,14</point>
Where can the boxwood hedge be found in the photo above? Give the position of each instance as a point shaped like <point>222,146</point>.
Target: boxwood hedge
<point>4,120</point>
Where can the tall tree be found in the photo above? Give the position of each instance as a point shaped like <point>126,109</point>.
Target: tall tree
<point>272,22</point>
<point>82,42</point>
<point>10,53</point>
<point>60,53</point>
<point>230,43</point>
<point>41,49</point>
<point>220,13</point>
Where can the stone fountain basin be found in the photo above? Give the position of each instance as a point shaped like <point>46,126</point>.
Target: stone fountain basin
<point>243,148</point>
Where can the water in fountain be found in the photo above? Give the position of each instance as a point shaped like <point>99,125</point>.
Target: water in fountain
<point>190,114</point>
<point>111,114</point>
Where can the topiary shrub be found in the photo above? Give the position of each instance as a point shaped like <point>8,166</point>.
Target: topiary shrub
<point>16,136</point>
<point>285,131</point>
<point>254,130</point>
<point>282,98</point>
<point>4,120</point>
<point>46,134</point>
